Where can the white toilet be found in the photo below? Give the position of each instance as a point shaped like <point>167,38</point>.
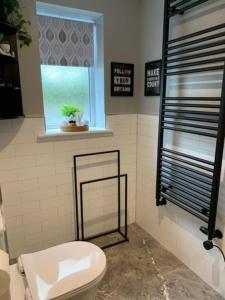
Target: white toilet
<point>69,271</point>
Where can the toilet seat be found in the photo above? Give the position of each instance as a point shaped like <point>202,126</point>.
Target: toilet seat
<point>63,271</point>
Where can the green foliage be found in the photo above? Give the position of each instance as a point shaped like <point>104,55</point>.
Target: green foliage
<point>23,36</point>
<point>3,39</point>
<point>69,111</point>
<point>10,7</point>
<point>10,11</point>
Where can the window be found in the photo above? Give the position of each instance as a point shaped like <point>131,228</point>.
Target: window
<point>65,85</point>
<point>70,59</point>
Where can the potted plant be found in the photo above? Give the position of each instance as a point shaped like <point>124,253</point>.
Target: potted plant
<point>73,115</point>
<point>4,45</point>
<point>10,12</point>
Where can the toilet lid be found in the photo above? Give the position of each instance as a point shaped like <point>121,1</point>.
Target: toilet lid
<point>62,269</point>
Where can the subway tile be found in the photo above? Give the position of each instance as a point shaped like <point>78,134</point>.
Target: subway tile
<point>32,229</point>
<point>66,219</point>
<point>66,234</point>
<point>7,151</point>
<point>7,164</point>
<point>50,243</point>
<point>48,203</point>
<point>64,168</point>
<point>33,148</point>
<point>33,238</point>
<point>36,246</point>
<point>64,189</point>
<point>18,186</point>
<point>21,209</point>
<point>44,148</point>
<point>30,207</point>
<point>24,162</point>
<point>44,159</point>
<point>38,194</point>
<point>28,124</point>
<point>12,222</point>
<point>11,199</point>
<point>55,180</point>
<point>23,137</point>
<point>64,211</point>
<point>65,178</point>
<point>16,243</point>
<point>63,157</point>
<point>50,224</point>
<point>66,200</point>
<point>13,211</point>
<point>21,231</point>
<point>25,149</point>
<point>93,194</point>
<point>69,146</point>
<point>48,214</point>
<point>51,236</point>
<point>46,170</point>
<point>47,182</point>
<point>31,218</point>
<point>6,176</point>
<point>36,172</point>
<point>28,185</point>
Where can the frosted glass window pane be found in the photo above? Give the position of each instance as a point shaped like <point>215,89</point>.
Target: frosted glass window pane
<point>64,85</point>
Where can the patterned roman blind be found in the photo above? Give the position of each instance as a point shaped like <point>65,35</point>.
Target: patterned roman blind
<point>66,42</point>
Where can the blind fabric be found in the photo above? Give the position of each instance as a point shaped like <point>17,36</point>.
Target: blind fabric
<point>65,42</point>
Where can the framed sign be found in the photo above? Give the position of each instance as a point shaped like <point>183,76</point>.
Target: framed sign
<point>122,79</point>
<point>152,78</point>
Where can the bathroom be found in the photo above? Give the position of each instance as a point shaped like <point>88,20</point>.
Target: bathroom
<point>108,168</point>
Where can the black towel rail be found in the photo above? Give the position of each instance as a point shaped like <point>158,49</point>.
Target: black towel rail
<point>173,10</point>
<point>188,181</point>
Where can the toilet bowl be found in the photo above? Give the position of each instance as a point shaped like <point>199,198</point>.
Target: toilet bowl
<point>69,271</point>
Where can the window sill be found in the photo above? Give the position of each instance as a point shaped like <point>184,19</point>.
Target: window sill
<point>58,135</point>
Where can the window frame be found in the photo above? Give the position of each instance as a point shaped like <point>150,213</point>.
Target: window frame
<point>96,99</point>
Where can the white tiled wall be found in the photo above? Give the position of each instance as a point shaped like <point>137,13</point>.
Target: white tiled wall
<point>177,230</point>
<point>37,182</point>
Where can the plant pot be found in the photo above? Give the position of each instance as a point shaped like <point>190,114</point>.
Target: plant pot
<point>74,128</point>
<point>78,117</point>
<point>5,48</point>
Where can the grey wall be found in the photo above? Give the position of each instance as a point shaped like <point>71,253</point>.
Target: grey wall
<point>151,30</point>
<point>121,29</point>
<point>30,67</point>
<point>151,35</point>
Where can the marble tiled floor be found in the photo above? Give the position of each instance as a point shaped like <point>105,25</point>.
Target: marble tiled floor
<point>143,270</point>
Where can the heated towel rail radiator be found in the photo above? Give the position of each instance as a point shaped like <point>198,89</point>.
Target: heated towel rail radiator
<point>191,182</point>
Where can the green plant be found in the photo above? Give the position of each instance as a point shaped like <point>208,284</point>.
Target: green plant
<point>69,111</point>
<point>8,7</point>
<point>10,11</point>
<point>3,39</point>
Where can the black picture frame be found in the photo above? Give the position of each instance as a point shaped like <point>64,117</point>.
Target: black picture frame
<point>153,71</point>
<point>122,79</point>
